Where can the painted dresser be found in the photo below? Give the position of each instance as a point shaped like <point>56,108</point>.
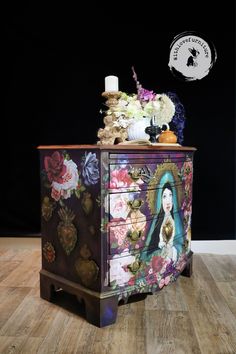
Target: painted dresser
<point>116,221</point>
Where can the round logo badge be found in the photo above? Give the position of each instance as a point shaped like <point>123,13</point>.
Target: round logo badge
<point>191,56</point>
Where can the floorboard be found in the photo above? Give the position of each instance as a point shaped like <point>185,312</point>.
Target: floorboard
<point>192,315</point>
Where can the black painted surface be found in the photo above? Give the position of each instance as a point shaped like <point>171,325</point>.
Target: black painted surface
<point>64,263</point>
<point>54,76</point>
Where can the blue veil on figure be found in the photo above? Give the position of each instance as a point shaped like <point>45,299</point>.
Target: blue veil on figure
<point>167,177</point>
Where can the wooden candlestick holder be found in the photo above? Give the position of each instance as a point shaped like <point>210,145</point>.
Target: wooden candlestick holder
<point>111,134</point>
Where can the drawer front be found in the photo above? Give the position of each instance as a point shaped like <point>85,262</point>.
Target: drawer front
<point>136,234</point>
<point>141,172</point>
<point>119,206</point>
<point>151,204</point>
<point>156,176</point>
<point>128,236</point>
<point>146,268</point>
<point>157,155</point>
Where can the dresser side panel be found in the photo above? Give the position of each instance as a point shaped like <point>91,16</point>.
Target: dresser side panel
<point>70,220</point>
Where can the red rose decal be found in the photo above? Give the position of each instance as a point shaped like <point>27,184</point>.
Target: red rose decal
<point>55,167</point>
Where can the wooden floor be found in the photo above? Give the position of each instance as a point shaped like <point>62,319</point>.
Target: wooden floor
<point>196,315</point>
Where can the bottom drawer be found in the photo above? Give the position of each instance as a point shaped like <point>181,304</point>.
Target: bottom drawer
<point>147,267</point>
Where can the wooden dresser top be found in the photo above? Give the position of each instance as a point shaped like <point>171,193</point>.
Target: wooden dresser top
<point>120,147</point>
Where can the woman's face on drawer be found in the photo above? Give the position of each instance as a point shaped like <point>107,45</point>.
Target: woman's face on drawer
<point>167,200</point>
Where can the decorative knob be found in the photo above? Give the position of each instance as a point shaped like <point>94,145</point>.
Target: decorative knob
<point>135,266</point>
<point>135,204</point>
<point>134,235</point>
<point>135,173</point>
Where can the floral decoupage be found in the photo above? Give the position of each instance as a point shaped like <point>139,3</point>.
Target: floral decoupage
<point>70,189</point>
<point>64,176</point>
<point>148,212</point>
<point>132,211</point>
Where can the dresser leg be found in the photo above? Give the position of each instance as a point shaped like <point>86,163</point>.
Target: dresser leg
<point>101,312</point>
<point>188,270</point>
<point>46,288</point>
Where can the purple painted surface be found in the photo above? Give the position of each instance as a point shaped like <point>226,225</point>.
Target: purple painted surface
<point>98,189</point>
<point>133,264</point>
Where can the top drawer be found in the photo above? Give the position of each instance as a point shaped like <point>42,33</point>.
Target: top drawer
<point>132,172</point>
<point>157,155</point>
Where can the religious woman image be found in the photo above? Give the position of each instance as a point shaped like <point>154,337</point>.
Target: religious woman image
<point>166,230</point>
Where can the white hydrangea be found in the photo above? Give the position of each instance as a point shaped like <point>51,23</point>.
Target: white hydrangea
<point>130,108</point>
<point>163,109</point>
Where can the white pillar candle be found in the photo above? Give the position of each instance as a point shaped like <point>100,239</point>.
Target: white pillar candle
<point>154,120</point>
<point>111,83</point>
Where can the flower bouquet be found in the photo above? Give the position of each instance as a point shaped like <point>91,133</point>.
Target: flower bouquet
<point>133,113</point>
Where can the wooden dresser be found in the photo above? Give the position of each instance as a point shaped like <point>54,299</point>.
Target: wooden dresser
<point>116,221</point>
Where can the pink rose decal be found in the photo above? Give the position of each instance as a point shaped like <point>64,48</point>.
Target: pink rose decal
<point>118,206</point>
<point>164,281</point>
<point>120,179</point>
<point>181,262</point>
<point>118,232</point>
<point>157,263</point>
<point>131,281</point>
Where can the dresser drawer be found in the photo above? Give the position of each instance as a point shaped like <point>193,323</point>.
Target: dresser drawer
<point>120,205</point>
<point>144,269</point>
<point>135,234</point>
<point>119,157</point>
<point>143,173</point>
<point>125,235</point>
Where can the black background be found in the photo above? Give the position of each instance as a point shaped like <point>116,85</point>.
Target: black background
<point>56,57</point>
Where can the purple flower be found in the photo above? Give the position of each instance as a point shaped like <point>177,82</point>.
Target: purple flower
<point>145,95</point>
<point>170,269</point>
<point>178,121</point>
<point>90,170</point>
